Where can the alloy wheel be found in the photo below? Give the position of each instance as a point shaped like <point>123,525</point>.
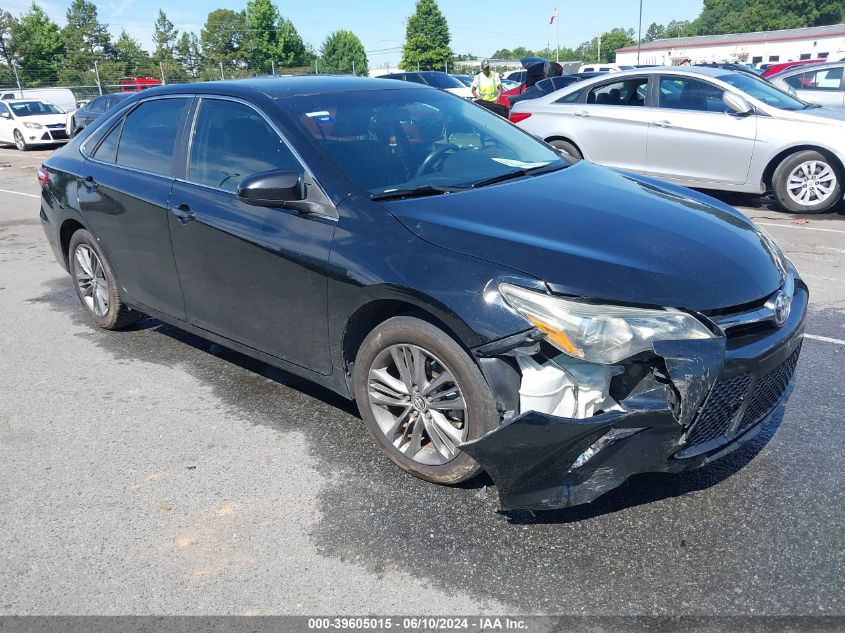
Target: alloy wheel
<point>91,279</point>
<point>811,183</point>
<point>19,142</point>
<point>418,404</point>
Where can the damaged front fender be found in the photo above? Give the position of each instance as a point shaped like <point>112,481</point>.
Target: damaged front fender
<point>540,461</point>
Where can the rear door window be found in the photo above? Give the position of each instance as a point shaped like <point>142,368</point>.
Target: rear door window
<point>627,92</point>
<point>148,141</point>
<point>107,150</point>
<point>826,79</point>
<point>232,141</point>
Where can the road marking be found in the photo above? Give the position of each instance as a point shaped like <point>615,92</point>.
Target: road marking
<point>806,228</point>
<point>20,193</point>
<point>825,339</point>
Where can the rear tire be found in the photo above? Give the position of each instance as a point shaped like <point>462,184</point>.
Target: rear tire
<point>95,284</point>
<point>566,146</point>
<point>447,403</point>
<point>807,182</point>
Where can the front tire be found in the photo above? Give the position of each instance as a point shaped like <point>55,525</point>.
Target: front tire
<point>807,182</point>
<point>420,396</point>
<point>567,147</point>
<point>95,284</point>
<point>20,142</point>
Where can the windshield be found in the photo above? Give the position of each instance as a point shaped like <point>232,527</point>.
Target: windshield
<point>31,108</point>
<point>764,91</point>
<point>442,80</point>
<point>384,140</point>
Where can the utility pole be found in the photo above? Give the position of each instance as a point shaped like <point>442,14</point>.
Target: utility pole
<point>273,67</point>
<point>18,79</point>
<point>222,78</point>
<point>161,68</point>
<point>557,51</point>
<point>640,33</point>
<point>96,74</point>
<point>353,67</point>
<point>598,50</point>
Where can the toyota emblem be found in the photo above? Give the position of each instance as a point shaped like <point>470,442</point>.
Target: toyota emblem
<point>781,307</point>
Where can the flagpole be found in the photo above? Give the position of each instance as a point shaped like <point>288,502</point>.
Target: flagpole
<point>557,47</point>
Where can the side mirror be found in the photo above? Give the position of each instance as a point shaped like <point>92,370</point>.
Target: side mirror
<point>5,115</point>
<point>737,103</point>
<point>272,188</point>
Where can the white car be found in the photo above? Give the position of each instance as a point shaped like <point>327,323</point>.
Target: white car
<point>700,127</point>
<point>28,123</point>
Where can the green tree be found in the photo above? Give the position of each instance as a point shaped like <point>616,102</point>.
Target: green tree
<point>737,16</point>
<point>613,40</point>
<point>188,54</point>
<point>341,52</point>
<point>136,62</point>
<point>165,35</point>
<point>86,40</point>
<point>426,38</point>
<point>37,47</point>
<point>292,50</point>
<point>655,32</point>
<point>222,40</point>
<point>262,18</point>
<point>680,28</point>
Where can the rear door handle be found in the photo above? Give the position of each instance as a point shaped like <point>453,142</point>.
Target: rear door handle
<point>90,183</point>
<point>581,114</point>
<point>183,213</point>
<point>662,123</point>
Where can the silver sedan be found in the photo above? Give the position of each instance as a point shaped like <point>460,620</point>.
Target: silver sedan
<point>701,127</point>
<point>823,84</point>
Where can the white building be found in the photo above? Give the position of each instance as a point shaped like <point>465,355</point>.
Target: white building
<point>817,42</point>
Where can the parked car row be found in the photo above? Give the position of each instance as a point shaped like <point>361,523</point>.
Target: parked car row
<point>488,302</point>
<point>700,127</point>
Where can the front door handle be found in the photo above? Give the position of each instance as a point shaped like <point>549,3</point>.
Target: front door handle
<point>581,114</point>
<point>183,213</point>
<point>662,123</point>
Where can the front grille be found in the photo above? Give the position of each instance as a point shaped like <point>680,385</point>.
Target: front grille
<point>59,134</point>
<point>56,126</point>
<point>717,417</point>
<point>769,390</point>
<point>720,409</point>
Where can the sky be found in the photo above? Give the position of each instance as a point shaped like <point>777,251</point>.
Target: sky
<point>478,27</point>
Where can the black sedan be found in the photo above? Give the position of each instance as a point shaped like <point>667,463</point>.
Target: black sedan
<point>83,117</point>
<point>487,302</point>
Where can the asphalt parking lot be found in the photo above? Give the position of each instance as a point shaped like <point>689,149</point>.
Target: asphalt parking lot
<point>149,471</point>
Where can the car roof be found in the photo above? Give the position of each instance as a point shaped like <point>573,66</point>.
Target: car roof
<point>285,87</point>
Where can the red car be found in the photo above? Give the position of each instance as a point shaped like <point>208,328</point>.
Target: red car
<point>773,69</point>
<point>137,84</point>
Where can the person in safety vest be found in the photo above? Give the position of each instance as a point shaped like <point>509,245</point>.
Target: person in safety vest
<point>486,85</point>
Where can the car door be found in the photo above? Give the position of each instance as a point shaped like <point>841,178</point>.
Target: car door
<point>824,86</point>
<point>692,136</point>
<point>252,274</point>
<point>610,123</point>
<point>124,190</point>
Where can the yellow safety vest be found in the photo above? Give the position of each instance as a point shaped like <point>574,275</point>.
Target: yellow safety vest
<point>487,85</point>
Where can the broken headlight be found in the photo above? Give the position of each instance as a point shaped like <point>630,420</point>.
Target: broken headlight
<point>603,334</point>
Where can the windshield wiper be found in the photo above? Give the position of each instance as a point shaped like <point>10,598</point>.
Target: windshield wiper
<point>415,192</point>
<point>519,173</point>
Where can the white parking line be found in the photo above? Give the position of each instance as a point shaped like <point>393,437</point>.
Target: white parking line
<point>806,228</point>
<point>825,339</point>
<point>20,193</point>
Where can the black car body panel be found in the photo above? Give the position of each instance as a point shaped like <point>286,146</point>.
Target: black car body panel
<point>299,287</point>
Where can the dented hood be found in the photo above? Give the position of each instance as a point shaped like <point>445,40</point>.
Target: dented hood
<point>594,232</point>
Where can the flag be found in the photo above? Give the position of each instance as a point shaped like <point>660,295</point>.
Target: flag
<point>554,15</point>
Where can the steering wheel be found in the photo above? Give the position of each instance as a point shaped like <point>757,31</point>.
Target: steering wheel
<point>437,154</point>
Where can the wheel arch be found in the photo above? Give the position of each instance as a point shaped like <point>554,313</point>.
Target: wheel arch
<point>561,137</point>
<point>377,310</point>
<point>769,171</point>
<point>66,231</point>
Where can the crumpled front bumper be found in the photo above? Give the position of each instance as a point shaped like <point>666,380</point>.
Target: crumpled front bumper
<point>538,460</point>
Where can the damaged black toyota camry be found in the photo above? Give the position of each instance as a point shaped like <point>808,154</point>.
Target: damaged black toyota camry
<point>489,303</point>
